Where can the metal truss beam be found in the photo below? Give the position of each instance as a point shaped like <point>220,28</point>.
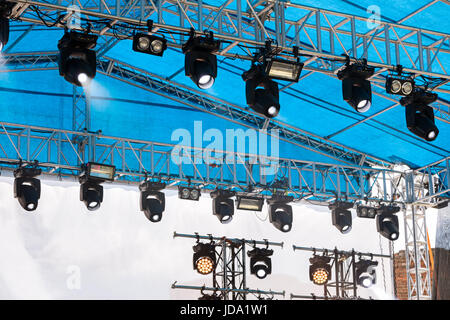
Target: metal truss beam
<point>135,160</point>
<point>201,101</point>
<point>244,25</point>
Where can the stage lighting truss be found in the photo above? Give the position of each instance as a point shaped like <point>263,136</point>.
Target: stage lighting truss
<point>249,203</point>
<point>27,188</point>
<point>356,89</point>
<point>320,270</point>
<point>189,193</point>
<point>280,212</point>
<point>223,206</point>
<point>152,200</point>
<point>400,85</point>
<point>204,258</point>
<point>365,273</point>
<point>91,191</point>
<point>341,217</point>
<point>366,211</point>
<point>77,61</point>
<point>387,222</point>
<point>262,93</point>
<point>260,262</point>
<point>282,69</point>
<point>200,61</point>
<point>419,115</point>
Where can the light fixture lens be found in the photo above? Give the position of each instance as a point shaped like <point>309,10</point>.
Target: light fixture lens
<point>205,81</point>
<point>82,78</point>
<point>366,282</point>
<point>144,43</point>
<point>407,88</point>
<point>185,193</point>
<point>431,135</point>
<point>205,265</point>
<point>194,194</point>
<point>273,111</point>
<point>363,106</point>
<point>320,276</point>
<point>157,46</point>
<point>396,86</point>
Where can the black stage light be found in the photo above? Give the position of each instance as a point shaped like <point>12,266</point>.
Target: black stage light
<point>249,203</point>
<point>204,258</point>
<point>213,296</point>
<point>91,191</point>
<point>149,44</point>
<point>341,217</point>
<point>320,270</point>
<point>4,32</point>
<point>261,92</point>
<point>400,86</point>
<point>153,201</point>
<point>282,69</point>
<point>188,193</point>
<point>280,212</point>
<point>419,115</point>
<point>387,222</point>
<point>356,89</point>
<point>27,188</point>
<point>200,62</point>
<point>365,273</point>
<point>260,262</point>
<point>223,206</point>
<point>77,62</point>
<point>366,212</point>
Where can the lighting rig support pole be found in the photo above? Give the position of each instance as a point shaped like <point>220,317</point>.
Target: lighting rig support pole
<point>81,118</point>
<point>342,282</point>
<point>229,277</point>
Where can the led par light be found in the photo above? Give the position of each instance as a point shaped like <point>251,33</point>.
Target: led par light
<point>282,69</point>
<point>152,201</point>
<point>223,206</point>
<point>341,217</point>
<point>27,188</point>
<point>77,62</point>
<point>200,62</point>
<point>366,212</point>
<point>91,191</point>
<point>356,89</point>
<point>280,213</point>
<point>261,92</point>
<point>187,193</point>
<point>387,222</point>
<point>320,270</point>
<point>260,262</point>
<point>419,115</point>
<point>149,44</point>
<point>365,273</point>
<point>204,258</point>
<point>249,203</point>
<point>399,86</point>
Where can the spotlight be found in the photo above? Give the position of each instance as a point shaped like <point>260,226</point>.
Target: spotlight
<point>223,206</point>
<point>153,201</point>
<point>356,88</point>
<point>4,32</point>
<point>260,262</point>
<point>280,213</point>
<point>91,192</point>
<point>419,115</point>
<point>200,62</point>
<point>387,222</point>
<point>261,92</point>
<point>149,44</point>
<point>77,62</point>
<point>341,217</point>
<point>204,258</point>
<point>283,69</point>
<point>27,188</point>
<point>320,270</point>
<point>400,86</point>
<point>187,193</point>
<point>365,273</point>
<point>249,203</point>
<point>366,211</point>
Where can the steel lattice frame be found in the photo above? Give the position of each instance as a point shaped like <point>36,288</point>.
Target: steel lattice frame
<point>422,52</point>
